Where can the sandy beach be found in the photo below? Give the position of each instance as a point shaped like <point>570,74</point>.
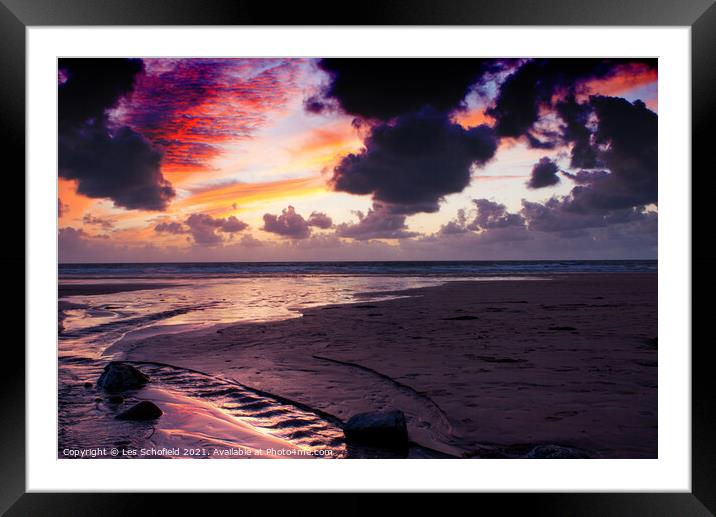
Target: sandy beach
<point>481,369</point>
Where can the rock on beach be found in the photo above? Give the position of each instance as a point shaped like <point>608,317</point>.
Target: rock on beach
<point>143,410</point>
<point>118,376</point>
<point>386,429</point>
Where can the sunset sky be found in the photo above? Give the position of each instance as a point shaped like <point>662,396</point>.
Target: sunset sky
<point>356,159</point>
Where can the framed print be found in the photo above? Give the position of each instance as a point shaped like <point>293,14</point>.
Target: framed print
<point>417,250</point>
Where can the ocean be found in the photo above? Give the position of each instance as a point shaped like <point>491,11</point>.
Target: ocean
<point>446,268</point>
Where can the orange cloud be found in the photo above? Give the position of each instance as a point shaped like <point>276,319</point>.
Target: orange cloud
<point>75,204</point>
<point>472,118</point>
<point>219,200</point>
<point>326,145</point>
<point>629,77</point>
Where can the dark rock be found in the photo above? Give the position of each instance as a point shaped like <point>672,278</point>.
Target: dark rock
<point>87,384</point>
<point>119,376</point>
<point>491,359</point>
<point>562,328</point>
<point>386,429</point>
<point>144,410</point>
<point>115,399</point>
<point>461,318</point>
<point>375,452</point>
<point>556,452</point>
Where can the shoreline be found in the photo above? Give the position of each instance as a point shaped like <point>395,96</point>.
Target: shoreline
<point>487,366</point>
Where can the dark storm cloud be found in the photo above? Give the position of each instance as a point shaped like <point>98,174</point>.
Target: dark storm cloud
<point>92,86</point>
<point>320,220</point>
<point>204,228</point>
<point>532,86</point>
<point>385,88</point>
<point>120,166</point>
<point>575,131</point>
<point>414,154</point>
<point>113,163</point>
<point>411,163</point>
<point>379,223</point>
<point>628,139</point>
<point>625,144</point>
<point>288,224</point>
<point>544,174</point>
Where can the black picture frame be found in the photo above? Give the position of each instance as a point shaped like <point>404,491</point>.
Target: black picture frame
<point>699,15</point>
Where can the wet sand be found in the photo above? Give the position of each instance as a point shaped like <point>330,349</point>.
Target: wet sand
<point>95,289</point>
<point>481,369</point>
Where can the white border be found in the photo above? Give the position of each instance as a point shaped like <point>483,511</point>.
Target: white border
<point>670,472</point>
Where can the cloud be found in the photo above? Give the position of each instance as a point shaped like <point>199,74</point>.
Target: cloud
<point>288,224</point>
<point>541,231</point>
<point>575,130</point>
<point>62,208</point>
<point>412,162</point>
<point>317,105</point>
<point>556,215</point>
<point>457,226</point>
<point>91,87</point>
<point>625,142</point>
<point>551,216</point>
<point>378,223</point>
<point>543,221</point>
<point>249,241</point>
<point>172,227</point>
<point>627,136</point>
<point>108,162</point>
<point>191,108</point>
<point>120,166</point>
<point>69,235</point>
<point>204,228</point>
<point>487,215</point>
<point>532,87</point>
<point>544,174</point>
<point>320,220</point>
<point>634,239</point>
<point>585,177</point>
<point>97,221</point>
<point>492,215</point>
<point>232,225</point>
<point>389,87</point>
